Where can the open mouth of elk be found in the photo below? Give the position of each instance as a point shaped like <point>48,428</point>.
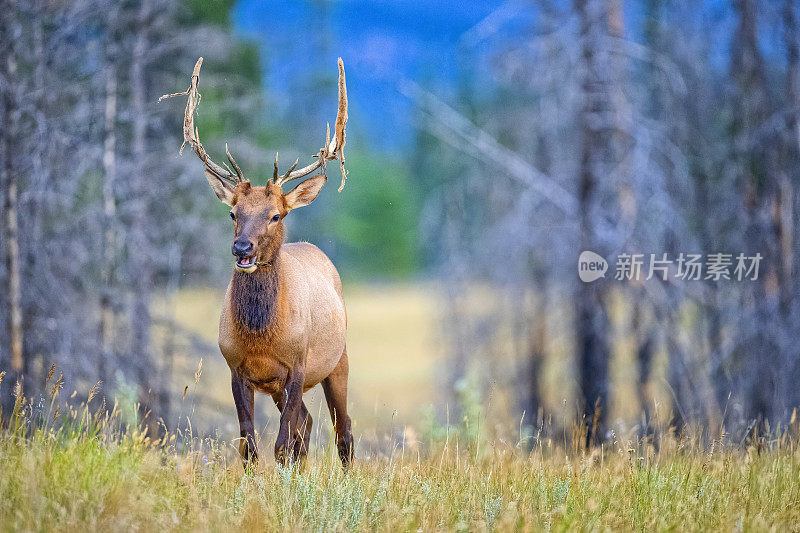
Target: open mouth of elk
<point>246,264</point>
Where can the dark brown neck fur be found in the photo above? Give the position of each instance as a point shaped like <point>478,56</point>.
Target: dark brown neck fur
<point>254,298</point>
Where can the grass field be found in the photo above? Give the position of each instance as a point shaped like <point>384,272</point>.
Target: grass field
<point>70,469</point>
<point>87,475</point>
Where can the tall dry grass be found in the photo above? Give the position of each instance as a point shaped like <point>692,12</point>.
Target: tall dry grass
<point>83,468</point>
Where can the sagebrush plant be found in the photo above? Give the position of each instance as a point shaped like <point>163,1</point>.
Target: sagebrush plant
<point>82,467</point>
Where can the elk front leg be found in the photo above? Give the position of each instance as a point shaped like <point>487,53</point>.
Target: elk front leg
<point>244,397</point>
<point>335,388</point>
<point>300,449</point>
<point>293,423</point>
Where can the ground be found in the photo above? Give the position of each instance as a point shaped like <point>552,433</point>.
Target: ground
<point>88,477</point>
<point>73,470</point>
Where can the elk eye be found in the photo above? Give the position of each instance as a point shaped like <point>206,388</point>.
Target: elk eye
<point>276,217</point>
<point>233,217</point>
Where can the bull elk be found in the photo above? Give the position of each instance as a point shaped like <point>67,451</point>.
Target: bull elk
<point>283,322</point>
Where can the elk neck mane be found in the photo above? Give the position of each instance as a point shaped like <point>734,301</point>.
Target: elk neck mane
<point>254,299</point>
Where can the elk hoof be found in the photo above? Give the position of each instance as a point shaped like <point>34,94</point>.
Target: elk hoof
<point>247,452</point>
<point>346,451</point>
<point>281,455</point>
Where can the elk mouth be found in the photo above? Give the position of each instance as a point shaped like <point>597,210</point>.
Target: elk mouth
<point>246,264</point>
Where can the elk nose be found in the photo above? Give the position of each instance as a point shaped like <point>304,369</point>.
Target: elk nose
<point>242,247</point>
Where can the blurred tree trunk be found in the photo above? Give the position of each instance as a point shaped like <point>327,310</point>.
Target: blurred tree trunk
<point>792,296</point>
<point>106,326</point>
<point>793,69</point>
<point>537,332</point>
<point>642,331</point>
<point>643,335</point>
<point>139,243</point>
<point>38,179</point>
<point>168,361</point>
<point>456,321</point>
<point>757,169</point>
<point>10,186</point>
<point>709,410</point>
<point>593,327</point>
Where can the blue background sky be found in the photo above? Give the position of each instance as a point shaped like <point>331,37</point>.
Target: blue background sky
<point>383,41</point>
<point>380,43</point>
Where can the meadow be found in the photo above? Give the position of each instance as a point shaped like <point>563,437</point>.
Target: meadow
<point>86,473</point>
<point>72,467</point>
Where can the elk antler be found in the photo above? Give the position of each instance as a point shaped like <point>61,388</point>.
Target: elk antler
<point>333,148</point>
<point>191,136</point>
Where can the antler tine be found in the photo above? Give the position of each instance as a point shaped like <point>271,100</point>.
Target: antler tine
<point>291,169</point>
<point>191,136</point>
<point>280,180</point>
<point>233,164</point>
<point>299,173</point>
<point>341,121</point>
<point>333,148</point>
<point>341,114</point>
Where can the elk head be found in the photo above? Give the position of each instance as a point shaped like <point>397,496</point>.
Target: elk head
<point>258,212</point>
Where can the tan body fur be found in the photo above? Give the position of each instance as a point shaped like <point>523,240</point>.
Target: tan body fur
<point>309,328</point>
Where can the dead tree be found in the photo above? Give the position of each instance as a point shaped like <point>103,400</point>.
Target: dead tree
<point>106,325</point>
<point>10,186</point>
<point>139,245</point>
<point>593,327</point>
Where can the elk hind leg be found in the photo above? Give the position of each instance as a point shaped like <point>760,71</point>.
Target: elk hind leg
<point>335,388</point>
<point>303,434</point>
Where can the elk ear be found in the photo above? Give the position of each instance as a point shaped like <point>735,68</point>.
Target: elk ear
<point>221,188</point>
<point>305,193</point>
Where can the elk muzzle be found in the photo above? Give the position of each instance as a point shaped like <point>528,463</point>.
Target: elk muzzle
<point>243,249</point>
